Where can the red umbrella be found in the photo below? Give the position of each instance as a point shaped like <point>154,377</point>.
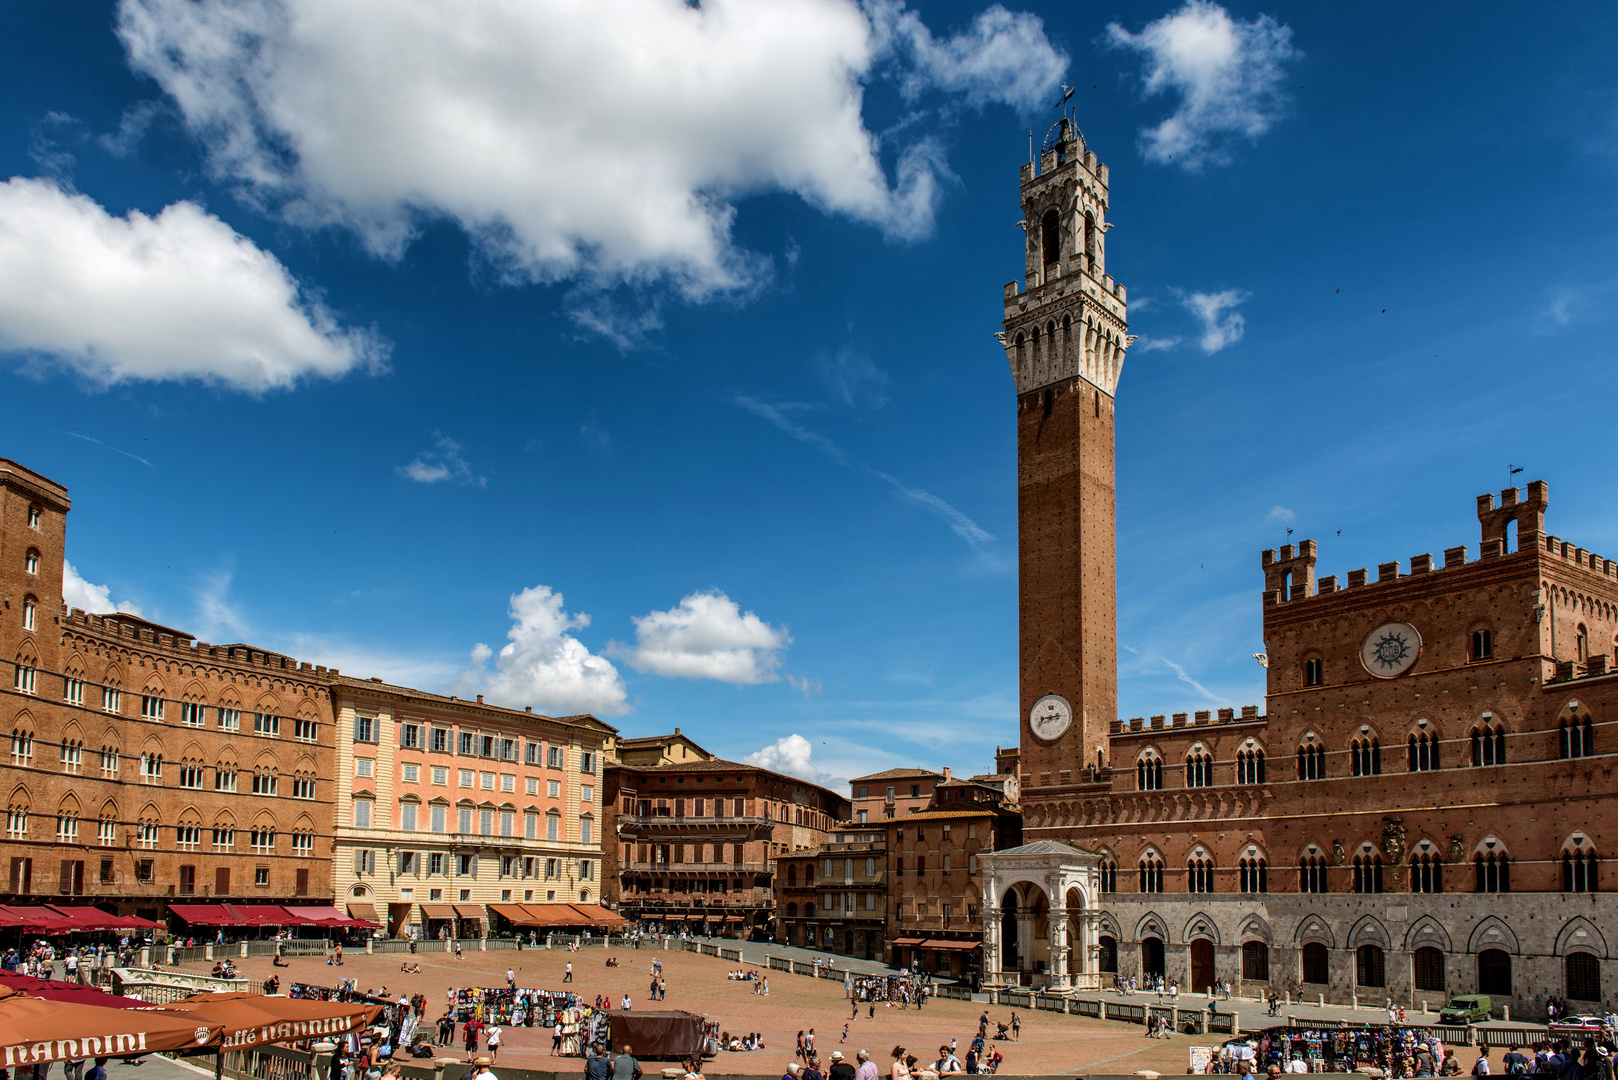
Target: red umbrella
<point>34,1031</point>
<point>51,990</point>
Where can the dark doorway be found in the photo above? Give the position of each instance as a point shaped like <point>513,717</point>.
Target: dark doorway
<point>1255,961</point>
<point>1151,956</point>
<point>1583,977</point>
<point>1494,972</point>
<point>1429,963</point>
<point>1368,966</point>
<point>1316,963</point>
<point>1202,964</point>
<point>1107,958</point>
<point>1009,960</point>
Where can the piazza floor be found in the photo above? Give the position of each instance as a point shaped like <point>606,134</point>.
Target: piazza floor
<point>1051,1043</point>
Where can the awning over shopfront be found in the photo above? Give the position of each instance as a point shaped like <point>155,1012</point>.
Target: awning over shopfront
<point>734,918</point>
<point>671,918</point>
<point>326,916</point>
<point>938,943</point>
<point>512,913</point>
<point>365,913</point>
<point>438,911</point>
<point>907,941</point>
<point>36,920</point>
<point>469,911</point>
<point>208,915</point>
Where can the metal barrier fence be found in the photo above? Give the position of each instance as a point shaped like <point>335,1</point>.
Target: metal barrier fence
<point>269,1063</point>
<point>1049,1003</point>
<point>1117,1010</point>
<point>189,955</point>
<point>779,963</point>
<point>959,993</point>
<point>1086,1007</point>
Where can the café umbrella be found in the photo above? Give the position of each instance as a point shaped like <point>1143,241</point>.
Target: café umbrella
<point>253,1020</point>
<point>36,1031</point>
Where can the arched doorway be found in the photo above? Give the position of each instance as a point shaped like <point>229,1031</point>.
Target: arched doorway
<point>1107,957</point>
<point>1151,956</point>
<point>1429,970</point>
<point>1009,956</point>
<point>1494,972</point>
<point>1202,964</point>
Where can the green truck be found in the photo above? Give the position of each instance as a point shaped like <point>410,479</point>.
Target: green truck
<point>1466,1009</point>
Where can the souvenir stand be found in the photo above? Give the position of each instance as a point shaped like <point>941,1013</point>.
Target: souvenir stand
<point>1338,1049</point>
<point>885,987</point>
<point>525,1007</point>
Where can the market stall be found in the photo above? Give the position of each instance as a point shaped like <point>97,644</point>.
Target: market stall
<point>670,1035</point>
<point>1333,1049</point>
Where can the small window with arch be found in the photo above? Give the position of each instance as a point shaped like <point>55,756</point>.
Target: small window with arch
<point>30,561</point>
<point>1576,737</point>
<point>1493,872</point>
<point>1365,756</point>
<point>1581,873</point>
<point>1199,771</point>
<point>1199,875</point>
<point>1149,774</point>
<point>1314,672</point>
<point>1151,874</point>
<point>1254,875</point>
<point>1482,644</point>
<point>1312,762</point>
<point>1488,744</point>
<point>33,517</point>
<point>1368,873</point>
<point>1250,767</point>
<point>1423,748</point>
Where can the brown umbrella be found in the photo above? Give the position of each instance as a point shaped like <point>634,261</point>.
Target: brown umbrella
<point>253,1019</point>
<point>37,1031</point>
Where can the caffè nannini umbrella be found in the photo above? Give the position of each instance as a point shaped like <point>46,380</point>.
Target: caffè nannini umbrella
<point>35,1031</point>
<point>255,1020</point>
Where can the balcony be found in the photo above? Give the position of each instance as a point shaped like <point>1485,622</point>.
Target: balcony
<point>636,866</point>
<point>735,904</point>
<point>692,821</point>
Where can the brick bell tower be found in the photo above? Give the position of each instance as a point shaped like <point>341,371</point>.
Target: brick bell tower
<point>1065,337</point>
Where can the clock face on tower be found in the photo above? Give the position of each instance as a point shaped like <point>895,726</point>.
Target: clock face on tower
<point>1050,716</point>
<point>1391,650</point>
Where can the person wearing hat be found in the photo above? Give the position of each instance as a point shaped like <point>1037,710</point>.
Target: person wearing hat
<point>840,1069</point>
<point>481,1065</point>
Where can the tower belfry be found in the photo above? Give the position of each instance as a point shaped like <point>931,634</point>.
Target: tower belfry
<point>1065,334</point>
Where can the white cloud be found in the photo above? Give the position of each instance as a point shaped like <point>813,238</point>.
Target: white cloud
<point>706,636</point>
<point>174,297</point>
<point>216,615</point>
<point>793,755</point>
<point>1153,344</point>
<point>1227,74</point>
<point>1221,326</point>
<point>95,599</point>
<point>1280,514</point>
<point>442,463</point>
<point>607,141</point>
<point>545,666</point>
<point>1005,57</point>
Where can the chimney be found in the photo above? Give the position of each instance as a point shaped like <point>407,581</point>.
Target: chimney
<point>676,731</point>
<point>480,699</point>
<point>946,772</point>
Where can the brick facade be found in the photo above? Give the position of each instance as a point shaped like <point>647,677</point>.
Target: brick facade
<point>696,844</point>
<point>1418,810</point>
<point>146,766</point>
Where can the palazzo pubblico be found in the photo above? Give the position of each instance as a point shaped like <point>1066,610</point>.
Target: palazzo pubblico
<point>1417,811</point>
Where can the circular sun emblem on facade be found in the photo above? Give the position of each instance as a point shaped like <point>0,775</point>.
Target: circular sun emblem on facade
<point>1391,650</point>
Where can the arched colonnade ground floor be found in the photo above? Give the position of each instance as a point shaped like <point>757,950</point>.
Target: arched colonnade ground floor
<point>1518,948</point>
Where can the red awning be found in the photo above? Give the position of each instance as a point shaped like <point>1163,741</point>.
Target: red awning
<point>438,911</point>
<point>37,919</point>
<point>599,915</point>
<point>938,943</point>
<point>94,918</point>
<point>733,918</point>
<point>671,918</point>
<point>263,914</point>
<point>325,916</point>
<point>907,941</point>
<point>364,913</point>
<point>207,914</point>
<point>469,911</point>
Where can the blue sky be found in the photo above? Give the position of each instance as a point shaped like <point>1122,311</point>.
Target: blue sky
<point>652,345</point>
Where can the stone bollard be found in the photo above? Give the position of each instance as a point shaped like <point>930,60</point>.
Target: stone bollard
<point>244,950</point>
<point>207,952</point>
<point>368,950</point>
<point>1321,1000</point>
<point>1424,1006</point>
<point>1507,1009</point>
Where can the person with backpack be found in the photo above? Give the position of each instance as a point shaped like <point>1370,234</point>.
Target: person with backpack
<point>1480,1067</point>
